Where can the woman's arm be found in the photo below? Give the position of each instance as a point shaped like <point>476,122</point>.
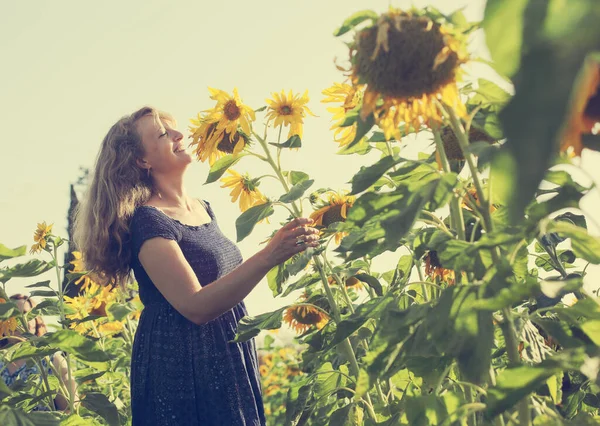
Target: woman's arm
<point>173,276</point>
<point>60,366</point>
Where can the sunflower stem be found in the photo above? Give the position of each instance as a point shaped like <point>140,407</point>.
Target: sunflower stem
<point>508,327</point>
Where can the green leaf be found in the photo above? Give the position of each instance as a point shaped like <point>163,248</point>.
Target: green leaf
<point>10,416</point>
<point>367,176</point>
<point>30,268</point>
<point>371,282</point>
<point>83,348</point>
<point>275,279</point>
<point>514,384</point>
<point>6,253</point>
<point>118,311</point>
<point>592,330</point>
<point>296,177</point>
<point>354,20</point>
<point>583,244</point>
<point>8,310</point>
<point>303,282</point>
<point>41,284</point>
<point>296,191</point>
<point>247,220</point>
<point>297,401</point>
<point>292,142</point>
<point>250,326</point>
<point>101,405</point>
<point>327,379</point>
<point>76,420</point>
<point>221,165</point>
<point>361,148</point>
<point>47,307</point>
<point>503,25</point>
<point>362,128</point>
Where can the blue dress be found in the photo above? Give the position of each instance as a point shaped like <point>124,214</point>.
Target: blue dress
<point>22,373</point>
<point>183,374</point>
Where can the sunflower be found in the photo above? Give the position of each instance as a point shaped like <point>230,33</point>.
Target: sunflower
<point>244,188</point>
<point>407,62</point>
<point>93,300</point>
<point>584,112</point>
<point>350,98</point>
<point>335,210</point>
<point>7,327</point>
<point>40,237</point>
<point>303,317</point>
<point>472,196</point>
<point>450,142</point>
<point>435,270</point>
<point>212,143</point>
<point>350,282</point>
<point>231,112</point>
<point>288,110</point>
<point>79,267</point>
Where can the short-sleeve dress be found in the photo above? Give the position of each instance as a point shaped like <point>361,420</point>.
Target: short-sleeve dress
<point>183,373</point>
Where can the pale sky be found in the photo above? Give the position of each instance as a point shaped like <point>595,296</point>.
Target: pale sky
<point>71,68</point>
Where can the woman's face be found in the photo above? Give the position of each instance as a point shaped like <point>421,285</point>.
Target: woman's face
<point>163,145</point>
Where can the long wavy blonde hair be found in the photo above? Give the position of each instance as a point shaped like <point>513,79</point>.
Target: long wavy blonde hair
<point>118,186</point>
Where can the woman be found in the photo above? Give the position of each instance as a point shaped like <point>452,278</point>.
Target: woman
<point>21,370</point>
<point>192,279</point>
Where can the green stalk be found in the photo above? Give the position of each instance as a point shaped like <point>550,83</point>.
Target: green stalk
<point>62,321</point>
<point>508,328</point>
<point>345,345</point>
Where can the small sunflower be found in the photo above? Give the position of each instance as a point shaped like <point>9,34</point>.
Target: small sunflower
<point>303,317</point>
<point>584,113</point>
<point>407,62</point>
<point>40,237</point>
<point>435,270</point>
<point>349,97</point>
<point>244,188</point>
<point>212,143</point>
<point>94,300</point>
<point>288,110</point>
<point>471,195</point>
<point>79,267</point>
<point>350,282</point>
<point>335,210</point>
<point>231,112</point>
<point>7,327</point>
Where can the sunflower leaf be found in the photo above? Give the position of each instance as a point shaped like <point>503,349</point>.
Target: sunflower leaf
<point>251,326</point>
<point>583,244</point>
<point>28,269</point>
<point>367,176</point>
<point>6,253</point>
<point>221,165</point>
<point>246,221</point>
<point>101,405</point>
<point>362,128</point>
<point>354,20</point>
<point>296,191</point>
<point>361,148</point>
<point>292,142</point>
<point>74,343</point>
<point>8,310</point>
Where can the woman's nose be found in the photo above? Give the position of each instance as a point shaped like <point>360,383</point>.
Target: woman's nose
<point>177,135</point>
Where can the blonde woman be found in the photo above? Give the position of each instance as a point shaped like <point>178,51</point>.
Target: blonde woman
<point>138,216</point>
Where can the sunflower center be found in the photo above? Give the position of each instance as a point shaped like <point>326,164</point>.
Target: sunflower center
<point>231,110</point>
<point>228,144</point>
<point>407,69</point>
<point>285,110</point>
<point>434,260</point>
<point>332,215</point>
<point>306,317</point>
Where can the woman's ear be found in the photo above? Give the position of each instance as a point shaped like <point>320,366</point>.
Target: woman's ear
<point>143,164</point>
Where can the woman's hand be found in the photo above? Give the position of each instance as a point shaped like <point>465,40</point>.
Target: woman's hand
<point>294,237</point>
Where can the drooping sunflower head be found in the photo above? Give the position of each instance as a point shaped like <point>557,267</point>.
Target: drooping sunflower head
<point>334,209</point>
<point>407,62</point>
<point>244,188</point>
<point>302,317</point>
<point>40,236</point>
<point>348,97</point>
<point>584,111</point>
<point>288,110</point>
<point>349,282</point>
<point>451,146</point>
<point>435,271</point>
<point>212,143</point>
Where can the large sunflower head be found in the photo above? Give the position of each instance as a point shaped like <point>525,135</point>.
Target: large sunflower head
<point>348,97</point>
<point>302,317</point>
<point>288,110</point>
<point>435,271</point>
<point>244,188</point>
<point>407,62</point>
<point>584,111</point>
<point>212,143</point>
<point>232,112</point>
<point>40,236</point>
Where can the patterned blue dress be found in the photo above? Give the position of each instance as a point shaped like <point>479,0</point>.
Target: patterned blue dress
<point>183,374</point>
<point>22,373</point>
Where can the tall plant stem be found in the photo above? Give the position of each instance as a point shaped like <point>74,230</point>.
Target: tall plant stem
<point>508,328</point>
<point>62,320</point>
<point>345,345</point>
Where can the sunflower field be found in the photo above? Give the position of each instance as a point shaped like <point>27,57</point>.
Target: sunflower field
<point>482,319</point>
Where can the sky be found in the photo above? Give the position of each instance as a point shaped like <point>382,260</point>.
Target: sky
<point>70,69</point>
